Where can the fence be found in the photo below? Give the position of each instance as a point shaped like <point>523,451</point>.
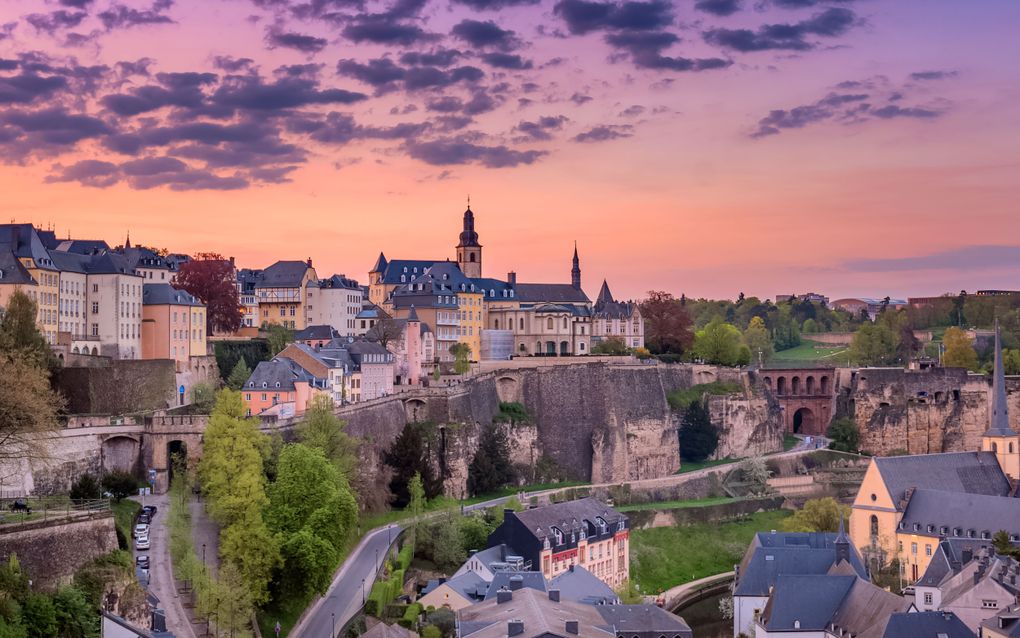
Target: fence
<point>17,510</point>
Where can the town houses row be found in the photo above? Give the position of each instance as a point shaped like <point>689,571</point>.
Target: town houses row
<point>353,341</point>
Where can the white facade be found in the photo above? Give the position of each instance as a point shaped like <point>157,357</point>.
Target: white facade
<point>745,613</point>
<point>376,376</point>
<point>337,307</point>
<point>115,314</point>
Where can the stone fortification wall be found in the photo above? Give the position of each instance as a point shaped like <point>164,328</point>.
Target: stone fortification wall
<point>51,552</point>
<point>122,387</point>
<point>922,412</point>
<point>679,517</point>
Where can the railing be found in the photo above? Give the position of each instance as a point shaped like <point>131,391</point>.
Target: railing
<point>17,510</point>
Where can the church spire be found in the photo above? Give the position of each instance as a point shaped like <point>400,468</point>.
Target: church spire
<point>127,243</point>
<point>998,424</point>
<point>842,543</point>
<point>575,272</point>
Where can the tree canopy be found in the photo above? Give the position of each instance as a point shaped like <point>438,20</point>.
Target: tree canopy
<point>959,351</point>
<point>720,343</point>
<point>698,437</point>
<point>409,455</point>
<point>667,324</point>
<point>490,469</point>
<point>213,280</point>
<point>818,515</point>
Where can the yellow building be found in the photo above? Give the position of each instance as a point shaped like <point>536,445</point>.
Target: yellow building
<point>14,277</point>
<point>281,292</point>
<point>878,526</point>
<point>471,317</point>
<point>24,242</point>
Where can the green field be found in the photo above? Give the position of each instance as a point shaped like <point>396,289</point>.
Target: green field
<point>789,442</point>
<point>676,505</point>
<point>694,466</point>
<point>807,352</point>
<point>664,557</point>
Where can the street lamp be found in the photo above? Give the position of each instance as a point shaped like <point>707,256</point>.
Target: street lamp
<point>332,625</point>
<point>362,592</point>
<point>203,554</point>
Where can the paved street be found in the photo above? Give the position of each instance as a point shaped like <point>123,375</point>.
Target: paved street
<point>344,598</point>
<point>204,532</point>
<point>161,582</point>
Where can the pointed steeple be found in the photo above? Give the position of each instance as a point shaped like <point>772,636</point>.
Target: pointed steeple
<point>575,272</point>
<point>127,242</point>
<point>999,422</point>
<point>842,543</point>
<point>380,264</point>
<point>604,295</point>
<point>412,315</point>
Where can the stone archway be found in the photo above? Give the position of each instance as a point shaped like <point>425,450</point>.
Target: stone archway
<point>120,453</point>
<point>176,453</point>
<point>508,389</point>
<point>416,410</point>
<point>804,421</point>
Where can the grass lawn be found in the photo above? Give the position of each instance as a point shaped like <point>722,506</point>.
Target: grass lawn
<point>512,491</point>
<point>693,466</point>
<point>668,556</point>
<point>789,442</point>
<point>676,505</point>
<point>807,351</point>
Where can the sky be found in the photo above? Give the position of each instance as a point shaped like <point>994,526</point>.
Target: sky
<point>704,147</point>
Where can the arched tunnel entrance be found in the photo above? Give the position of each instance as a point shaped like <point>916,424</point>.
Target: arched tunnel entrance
<point>803,421</point>
<point>176,457</point>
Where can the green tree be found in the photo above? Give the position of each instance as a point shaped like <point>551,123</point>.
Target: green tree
<point>810,326</point>
<point>873,344</point>
<point>277,337</point>
<point>719,343</point>
<point>698,437</point>
<point>310,492</point>
<point>959,352</point>
<point>490,469</point>
<point>239,375</point>
<point>416,504</point>
<point>612,346</point>
<point>28,408</point>
<point>19,332</point>
<point>409,454</point>
<point>39,616</point>
<point>474,532</point>
<point>85,488</point>
<point>254,551</point>
<point>785,334</point>
<point>203,397</point>
<point>323,429</point>
<point>1011,361</point>
<point>844,434</point>
<point>75,617</point>
<point>430,631</point>
<point>758,340</point>
<point>461,357</point>
<point>309,562</point>
<point>120,484</point>
<point>445,543</point>
<point>818,515</point>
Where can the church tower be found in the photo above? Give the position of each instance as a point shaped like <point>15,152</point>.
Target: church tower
<point>1000,437</point>
<point>469,251</point>
<point>575,272</point>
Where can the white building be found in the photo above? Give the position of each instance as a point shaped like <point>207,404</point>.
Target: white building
<point>336,302</point>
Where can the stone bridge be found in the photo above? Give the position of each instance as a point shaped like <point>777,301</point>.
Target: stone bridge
<point>807,397</point>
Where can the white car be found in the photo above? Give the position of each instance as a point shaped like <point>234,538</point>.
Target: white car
<point>141,529</point>
<point>142,542</point>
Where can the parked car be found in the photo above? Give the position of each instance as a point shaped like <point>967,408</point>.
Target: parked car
<point>141,529</point>
<point>143,518</point>
<point>150,510</point>
<point>142,562</point>
<point>142,542</point>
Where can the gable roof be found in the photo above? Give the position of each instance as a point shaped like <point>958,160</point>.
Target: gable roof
<point>338,281</point>
<point>580,585</point>
<point>770,555</point>
<point>283,274</point>
<point>163,294</point>
<point>515,581</point>
<point>12,271</point>
<point>538,615</point>
<point>1006,622</point>
<point>978,512</point>
<point>410,268</point>
<point>316,333</point>
<point>926,624</point>
<point>643,618</point>
<point>816,602</point>
<point>551,293</point>
<point>969,472</point>
<point>567,516</point>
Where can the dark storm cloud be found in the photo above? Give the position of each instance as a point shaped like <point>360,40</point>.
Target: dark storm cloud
<point>965,258</point>
<point>645,50</point>
<point>718,7</point>
<point>464,150</point>
<point>932,75</point>
<point>56,20</point>
<point>540,129</point>
<point>436,57</point>
<point>482,35</point>
<point>829,23</point>
<point>604,133</point>
<point>847,108</point>
<point>25,88</point>
<point>297,41</point>
<point>583,16</point>
<point>506,61</point>
<point>119,16</point>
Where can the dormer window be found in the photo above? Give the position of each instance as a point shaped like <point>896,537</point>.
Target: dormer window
<point>251,384</point>
<point>265,385</point>
<point>511,292</point>
<point>278,384</point>
<point>559,535</point>
<point>602,524</point>
<point>405,268</point>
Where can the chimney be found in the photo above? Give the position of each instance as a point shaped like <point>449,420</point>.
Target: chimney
<point>516,582</point>
<point>515,628</point>
<point>511,278</point>
<point>309,262</point>
<point>554,595</point>
<point>504,596</point>
<point>572,627</point>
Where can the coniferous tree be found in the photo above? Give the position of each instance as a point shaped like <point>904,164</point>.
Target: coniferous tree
<point>490,469</point>
<point>408,455</point>
<point>698,437</point>
<point>239,375</point>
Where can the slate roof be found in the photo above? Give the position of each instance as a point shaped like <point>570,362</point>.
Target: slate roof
<point>380,264</point>
<point>108,263</point>
<point>970,472</point>
<point>492,288</point>
<point>551,293</point>
<point>539,615</point>
<point>524,580</point>
<point>577,584</point>
<point>949,558</point>
<point>643,618</point>
<point>977,512</point>
<point>70,262</point>
<point>568,515</point>
<point>82,246</point>
<point>314,333</point>
<point>248,279</point>
<point>142,257</point>
<point>1006,622</point>
<point>337,281</point>
<point>414,267</point>
<point>608,308</point>
<point>282,371</point>
<point>999,422</point>
<point>926,624</point>
<point>163,294</point>
<point>797,553</point>
<point>283,274</point>
<point>24,241</point>
<point>12,271</point>
<point>469,585</point>
<point>810,600</point>
<point>382,630</point>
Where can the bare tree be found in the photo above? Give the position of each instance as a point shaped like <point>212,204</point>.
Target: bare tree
<point>385,330</point>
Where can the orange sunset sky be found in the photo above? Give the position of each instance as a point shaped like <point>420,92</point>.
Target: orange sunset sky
<point>870,148</point>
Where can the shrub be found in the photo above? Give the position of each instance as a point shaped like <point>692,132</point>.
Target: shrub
<point>120,484</point>
<point>85,488</point>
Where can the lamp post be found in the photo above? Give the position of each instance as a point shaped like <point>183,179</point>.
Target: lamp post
<point>203,554</point>
<point>332,625</point>
<point>362,592</point>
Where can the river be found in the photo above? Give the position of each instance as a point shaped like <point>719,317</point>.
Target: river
<point>706,620</point>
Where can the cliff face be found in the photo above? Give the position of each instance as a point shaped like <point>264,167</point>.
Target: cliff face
<point>597,422</point>
<point>922,412</point>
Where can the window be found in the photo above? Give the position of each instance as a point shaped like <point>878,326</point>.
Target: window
<point>928,598</point>
<point>927,549</point>
<point>913,548</point>
<point>874,526</point>
<point>95,307</point>
<point>989,604</point>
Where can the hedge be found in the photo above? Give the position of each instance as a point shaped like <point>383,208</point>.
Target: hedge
<point>411,615</point>
<point>404,557</point>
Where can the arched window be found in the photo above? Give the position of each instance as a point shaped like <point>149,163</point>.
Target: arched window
<point>496,324</point>
<point>874,526</point>
<point>522,323</point>
<point>549,323</point>
<point>781,385</point>
<point>471,257</point>
<point>564,322</point>
<point>995,447</point>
